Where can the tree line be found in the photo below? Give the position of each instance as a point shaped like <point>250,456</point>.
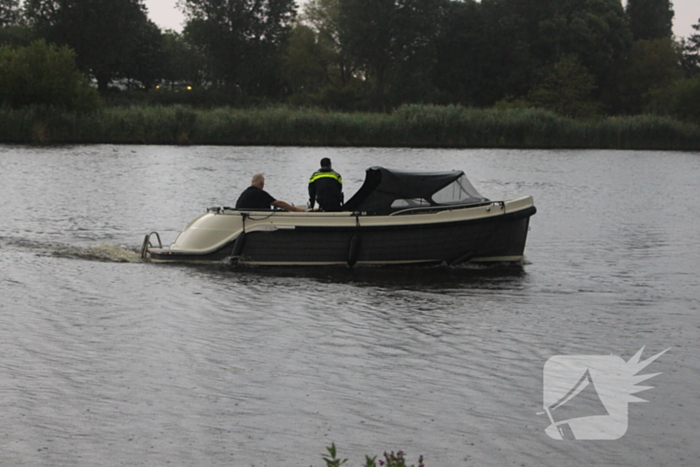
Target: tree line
<point>579,58</point>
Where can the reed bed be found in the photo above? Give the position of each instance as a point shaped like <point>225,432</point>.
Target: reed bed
<point>408,126</point>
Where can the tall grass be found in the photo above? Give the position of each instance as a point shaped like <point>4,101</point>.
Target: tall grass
<point>409,126</point>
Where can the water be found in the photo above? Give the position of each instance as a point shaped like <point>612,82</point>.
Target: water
<point>107,360</point>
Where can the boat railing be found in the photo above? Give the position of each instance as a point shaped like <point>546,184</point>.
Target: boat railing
<point>148,244</point>
<point>439,207</point>
<point>228,210</point>
<point>397,212</point>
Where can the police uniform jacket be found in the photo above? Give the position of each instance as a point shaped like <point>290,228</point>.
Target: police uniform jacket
<point>326,187</point>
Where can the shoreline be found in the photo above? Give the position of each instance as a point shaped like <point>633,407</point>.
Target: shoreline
<point>418,126</point>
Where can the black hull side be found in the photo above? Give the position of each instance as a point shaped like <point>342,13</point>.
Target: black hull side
<point>494,238</point>
<point>498,238</point>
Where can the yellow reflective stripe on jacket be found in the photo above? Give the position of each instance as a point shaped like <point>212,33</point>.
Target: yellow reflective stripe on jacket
<point>318,175</point>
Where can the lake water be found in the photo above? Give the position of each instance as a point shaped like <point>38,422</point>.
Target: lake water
<point>107,360</point>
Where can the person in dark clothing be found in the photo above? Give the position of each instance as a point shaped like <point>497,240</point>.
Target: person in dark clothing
<point>326,188</point>
<point>255,198</point>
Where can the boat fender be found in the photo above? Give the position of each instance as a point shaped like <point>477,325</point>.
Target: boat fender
<point>238,245</point>
<point>354,250</point>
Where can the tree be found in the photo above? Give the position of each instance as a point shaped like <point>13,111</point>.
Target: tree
<point>12,31</point>
<point>183,62</point>
<point>650,19</point>
<point>524,39</point>
<point>102,32</point>
<point>481,54</point>
<point>244,38</point>
<point>392,43</point>
<point>599,35</point>
<point>419,23</point>
<point>304,68</point>
<point>17,36</point>
<point>650,67</point>
<point>9,13</point>
<point>317,69</point>
<point>682,100</point>
<point>567,90</point>
<point>457,47</point>
<point>323,16</point>
<point>146,63</point>
<point>506,61</point>
<point>43,74</point>
<point>691,52</point>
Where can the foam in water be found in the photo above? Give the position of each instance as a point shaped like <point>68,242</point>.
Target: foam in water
<point>106,251</point>
<point>109,252</point>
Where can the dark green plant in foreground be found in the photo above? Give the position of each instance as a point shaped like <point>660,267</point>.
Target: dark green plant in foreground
<point>333,461</point>
<point>392,459</point>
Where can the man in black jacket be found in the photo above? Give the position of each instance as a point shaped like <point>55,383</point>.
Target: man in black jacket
<point>326,187</point>
<point>255,198</point>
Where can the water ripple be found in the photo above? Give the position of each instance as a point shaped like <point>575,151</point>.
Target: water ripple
<point>109,360</point>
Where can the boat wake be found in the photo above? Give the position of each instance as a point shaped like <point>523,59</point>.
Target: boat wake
<point>106,252</point>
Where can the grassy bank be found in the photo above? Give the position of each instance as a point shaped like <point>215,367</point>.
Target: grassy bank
<point>409,126</point>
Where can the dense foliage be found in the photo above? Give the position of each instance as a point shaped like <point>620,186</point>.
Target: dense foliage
<point>577,58</point>
<point>9,12</point>
<point>46,75</point>
<point>107,35</point>
<point>245,40</point>
<point>691,52</point>
<point>650,19</point>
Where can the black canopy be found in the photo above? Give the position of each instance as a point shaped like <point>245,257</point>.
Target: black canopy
<point>386,190</point>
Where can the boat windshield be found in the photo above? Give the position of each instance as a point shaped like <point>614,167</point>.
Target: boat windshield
<point>461,191</point>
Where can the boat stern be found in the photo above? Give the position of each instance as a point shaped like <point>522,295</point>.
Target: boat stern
<point>211,236</point>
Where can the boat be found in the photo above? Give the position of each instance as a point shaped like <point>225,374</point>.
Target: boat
<point>395,218</point>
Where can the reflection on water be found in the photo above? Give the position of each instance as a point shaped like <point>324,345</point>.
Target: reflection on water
<point>434,278</point>
<point>111,360</point>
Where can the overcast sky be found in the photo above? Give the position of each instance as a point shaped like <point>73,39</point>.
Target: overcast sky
<point>165,15</point>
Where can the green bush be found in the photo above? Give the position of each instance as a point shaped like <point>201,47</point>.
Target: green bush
<point>682,100</point>
<point>45,75</point>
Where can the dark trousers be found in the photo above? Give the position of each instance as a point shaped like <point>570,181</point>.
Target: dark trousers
<point>329,205</point>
